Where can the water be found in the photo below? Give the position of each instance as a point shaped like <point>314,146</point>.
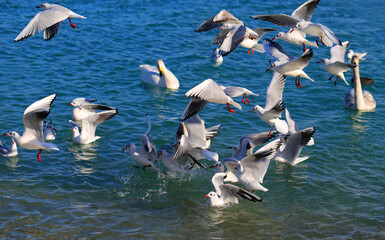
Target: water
<point>95,192</point>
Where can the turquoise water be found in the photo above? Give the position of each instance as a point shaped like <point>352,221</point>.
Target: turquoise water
<point>95,192</point>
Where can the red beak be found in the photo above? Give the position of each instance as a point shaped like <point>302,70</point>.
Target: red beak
<point>206,195</point>
<point>69,104</point>
<point>220,27</point>
<point>292,30</point>
<point>273,39</point>
<point>5,134</point>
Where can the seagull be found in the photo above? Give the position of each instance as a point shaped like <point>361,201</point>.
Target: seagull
<point>172,163</point>
<point>232,92</point>
<point>302,13</point>
<point>228,193</point>
<point>252,42</point>
<point>248,142</point>
<point>286,64</point>
<point>192,140</point>
<point>204,93</point>
<point>8,151</point>
<point>83,108</point>
<point>33,118</point>
<point>293,142</point>
<point>360,56</point>
<point>233,35</point>
<point>293,146</point>
<point>147,153</point>
<point>274,105</point>
<point>252,168</point>
<point>320,31</point>
<point>357,98</point>
<point>48,20</point>
<point>158,75</point>
<point>86,133</point>
<point>336,64</point>
<point>49,131</point>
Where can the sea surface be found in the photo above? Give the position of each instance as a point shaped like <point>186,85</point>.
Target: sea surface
<point>94,191</point>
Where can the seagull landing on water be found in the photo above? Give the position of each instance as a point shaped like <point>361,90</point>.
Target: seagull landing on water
<point>33,118</point>
<point>228,193</point>
<point>48,20</point>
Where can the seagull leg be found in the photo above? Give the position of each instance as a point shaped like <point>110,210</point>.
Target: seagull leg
<point>268,135</point>
<point>299,83</point>
<point>287,167</point>
<point>72,25</point>
<point>249,51</point>
<point>304,48</point>
<point>322,42</point>
<point>38,155</point>
<point>252,51</point>
<point>229,109</point>
<point>192,165</point>
<point>317,42</point>
<point>331,77</point>
<point>247,100</point>
<point>243,99</point>
<point>296,81</point>
<point>335,82</point>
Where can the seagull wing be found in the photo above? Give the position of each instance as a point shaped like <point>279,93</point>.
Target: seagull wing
<point>193,107</point>
<point>221,36</point>
<point>278,19</point>
<point>275,50</point>
<point>330,34</point>
<point>299,63</point>
<point>275,90</point>
<point>337,52</point>
<point>233,38</point>
<point>230,191</point>
<point>41,21</point>
<point>34,116</point>
<point>305,11</point>
<point>291,123</point>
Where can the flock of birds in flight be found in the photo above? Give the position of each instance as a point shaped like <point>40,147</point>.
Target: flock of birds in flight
<point>192,139</point>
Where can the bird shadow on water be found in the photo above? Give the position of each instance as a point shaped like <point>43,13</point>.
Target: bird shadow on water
<point>84,156</point>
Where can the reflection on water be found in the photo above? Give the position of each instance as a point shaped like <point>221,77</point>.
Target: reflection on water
<point>12,162</point>
<point>84,156</point>
<point>358,121</point>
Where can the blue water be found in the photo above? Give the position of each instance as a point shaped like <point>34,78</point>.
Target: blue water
<point>95,192</point>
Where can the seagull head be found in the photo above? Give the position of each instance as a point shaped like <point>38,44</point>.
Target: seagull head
<point>212,195</point>
<point>272,65</point>
<point>12,134</point>
<point>44,6</point>
<point>322,61</point>
<point>278,36</point>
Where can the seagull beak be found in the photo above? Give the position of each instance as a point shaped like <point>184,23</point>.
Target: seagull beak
<point>268,69</point>
<point>273,38</point>
<point>72,130</point>
<point>220,28</point>
<point>38,6</point>
<point>318,62</point>
<point>292,30</point>
<point>69,104</point>
<point>206,195</point>
<point>5,134</point>
<point>251,111</point>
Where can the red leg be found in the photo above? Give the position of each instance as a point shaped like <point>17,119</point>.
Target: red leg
<point>72,25</point>
<point>322,42</point>
<point>192,165</point>
<point>249,51</point>
<point>335,83</point>
<point>296,81</point>
<point>331,77</point>
<point>268,135</point>
<point>229,109</point>
<point>299,83</point>
<point>304,48</point>
<point>243,99</point>
<point>317,42</point>
<point>252,51</point>
<point>38,155</point>
<point>144,167</point>
<point>247,100</point>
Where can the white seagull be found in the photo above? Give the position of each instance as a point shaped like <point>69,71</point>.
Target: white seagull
<point>158,75</point>
<point>294,141</point>
<point>228,193</point>
<point>252,168</point>
<point>33,118</point>
<point>147,153</point>
<point>233,91</point>
<point>357,98</point>
<point>48,20</point>
<point>274,105</point>
<point>320,31</point>
<point>217,21</point>
<point>286,64</point>
<point>83,108</point>
<point>204,93</point>
<point>336,64</point>
<point>86,133</point>
<point>302,13</point>
<point>216,57</point>
<point>49,131</point>
<point>248,142</point>
<point>8,151</point>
